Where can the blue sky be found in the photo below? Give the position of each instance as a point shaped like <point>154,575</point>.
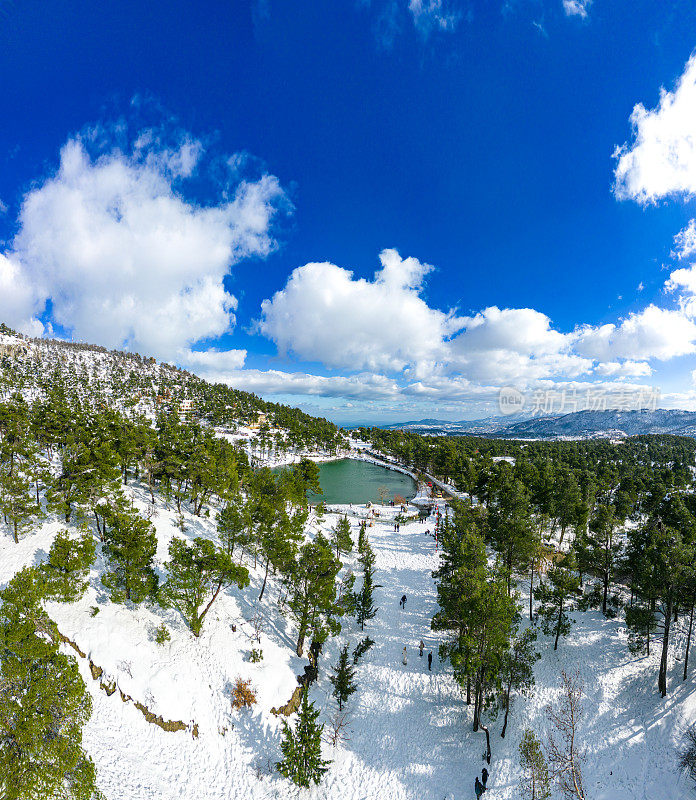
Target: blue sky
<point>376,209</point>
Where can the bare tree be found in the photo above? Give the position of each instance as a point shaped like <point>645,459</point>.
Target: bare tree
<point>564,757</point>
<point>337,730</point>
<point>383,492</point>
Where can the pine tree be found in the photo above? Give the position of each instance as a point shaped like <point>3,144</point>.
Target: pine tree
<point>233,523</point>
<point>66,570</point>
<point>130,546</point>
<point>510,529</point>
<point>314,601</point>
<point>17,503</point>
<point>341,537</point>
<point>535,784</point>
<point>195,573</point>
<point>43,703</point>
<point>365,609</point>
<point>362,537</point>
<point>602,550</point>
<point>556,595</point>
<point>343,679</point>
<point>301,748</point>
<point>518,669</point>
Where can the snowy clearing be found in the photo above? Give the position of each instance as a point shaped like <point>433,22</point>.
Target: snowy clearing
<point>411,735</point>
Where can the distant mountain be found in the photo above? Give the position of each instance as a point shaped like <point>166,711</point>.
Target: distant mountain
<point>578,425</point>
<point>592,424</point>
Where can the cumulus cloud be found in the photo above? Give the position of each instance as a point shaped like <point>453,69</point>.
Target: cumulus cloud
<point>18,305</point>
<point>661,159</point>
<point>324,314</point>
<point>655,332</point>
<point>364,386</point>
<point>514,344</point>
<point>212,361</point>
<point>124,258</point>
<point>576,8</point>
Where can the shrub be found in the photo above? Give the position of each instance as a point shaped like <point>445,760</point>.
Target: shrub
<point>256,655</point>
<point>162,634</point>
<point>243,696</point>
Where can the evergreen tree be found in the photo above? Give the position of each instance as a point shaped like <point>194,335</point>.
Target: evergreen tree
<point>17,503</point>
<point>661,555</point>
<point>305,476</point>
<point>301,748</point>
<point>197,572</point>
<point>233,523</point>
<point>535,784</point>
<point>477,611</point>
<point>510,529</point>
<point>603,550</point>
<point>362,536</point>
<point>313,592</point>
<point>43,703</point>
<point>343,678</point>
<point>341,538</point>
<point>518,669</point>
<point>130,546</point>
<point>556,596</point>
<point>365,609</point>
<point>66,569</point>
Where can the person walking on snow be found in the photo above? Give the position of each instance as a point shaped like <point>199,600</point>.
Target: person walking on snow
<point>430,660</point>
<point>420,647</point>
<point>478,788</point>
<point>484,777</point>
<point>404,658</point>
<point>402,602</point>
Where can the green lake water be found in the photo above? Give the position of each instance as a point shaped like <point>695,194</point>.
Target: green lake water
<point>351,481</point>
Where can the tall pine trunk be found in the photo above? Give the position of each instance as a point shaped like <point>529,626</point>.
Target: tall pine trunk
<point>688,639</point>
<point>265,576</point>
<point>558,625</point>
<point>662,677</point>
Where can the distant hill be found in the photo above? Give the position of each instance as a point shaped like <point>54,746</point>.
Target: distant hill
<point>578,425</point>
<point>129,383</point>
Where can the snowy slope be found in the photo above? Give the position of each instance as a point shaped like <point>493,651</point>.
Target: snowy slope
<point>411,731</point>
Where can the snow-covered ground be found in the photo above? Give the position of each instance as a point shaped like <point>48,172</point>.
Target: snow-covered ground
<point>410,736</point>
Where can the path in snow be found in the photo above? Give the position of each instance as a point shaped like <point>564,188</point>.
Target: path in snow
<point>408,727</point>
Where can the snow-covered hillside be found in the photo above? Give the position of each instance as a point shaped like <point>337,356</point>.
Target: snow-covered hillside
<point>410,735</point>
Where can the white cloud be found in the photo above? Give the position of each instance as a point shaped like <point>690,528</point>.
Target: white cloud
<point>212,361</point>
<point>661,159</point>
<point>685,241</point>
<point>324,314</point>
<point>576,8</point>
<point>364,386</point>
<point>17,303</point>
<point>514,345</point>
<point>430,15</point>
<point>627,369</point>
<point>655,332</point>
<point>125,260</point>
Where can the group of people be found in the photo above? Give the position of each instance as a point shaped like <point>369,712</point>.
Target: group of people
<point>480,783</point>
<point>397,526</point>
<point>421,645</point>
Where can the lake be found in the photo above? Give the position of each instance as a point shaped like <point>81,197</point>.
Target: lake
<point>352,481</point>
